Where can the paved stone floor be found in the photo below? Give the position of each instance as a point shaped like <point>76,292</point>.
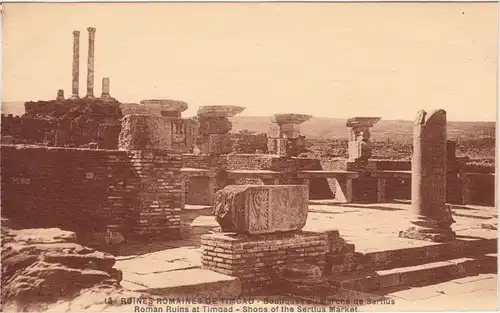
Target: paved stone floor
<point>371,227</point>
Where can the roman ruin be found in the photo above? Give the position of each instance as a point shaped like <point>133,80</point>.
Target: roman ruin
<point>170,196</point>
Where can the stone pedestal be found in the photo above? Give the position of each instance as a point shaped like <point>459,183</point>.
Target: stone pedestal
<point>431,217</point>
<point>284,136</point>
<point>259,260</point>
<point>214,127</point>
<point>359,145</point>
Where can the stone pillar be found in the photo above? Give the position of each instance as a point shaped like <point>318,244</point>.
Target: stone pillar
<point>90,64</point>
<point>60,95</point>
<point>431,217</point>
<point>213,136</point>
<point>284,134</point>
<point>105,89</point>
<point>359,146</point>
<point>76,65</point>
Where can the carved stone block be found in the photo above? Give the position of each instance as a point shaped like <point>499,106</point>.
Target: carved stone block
<point>216,144</point>
<point>151,132</point>
<point>261,209</point>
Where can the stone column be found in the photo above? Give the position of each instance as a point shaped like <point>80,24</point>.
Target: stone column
<point>90,64</point>
<point>431,217</point>
<point>105,89</point>
<point>284,136</point>
<point>76,65</point>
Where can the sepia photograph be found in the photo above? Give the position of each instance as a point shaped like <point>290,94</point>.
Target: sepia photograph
<point>249,156</point>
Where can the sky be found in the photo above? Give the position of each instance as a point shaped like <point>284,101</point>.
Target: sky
<point>324,59</point>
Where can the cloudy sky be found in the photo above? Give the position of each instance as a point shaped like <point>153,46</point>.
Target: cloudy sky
<point>325,59</point>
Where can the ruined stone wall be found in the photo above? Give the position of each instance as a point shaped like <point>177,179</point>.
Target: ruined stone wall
<point>249,161</point>
<point>86,190</point>
<point>196,161</point>
<point>29,130</point>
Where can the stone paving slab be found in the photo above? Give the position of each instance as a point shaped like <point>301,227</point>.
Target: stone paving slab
<point>160,261</point>
<point>190,282</point>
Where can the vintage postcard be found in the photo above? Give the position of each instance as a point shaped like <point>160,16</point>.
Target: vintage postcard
<point>249,157</point>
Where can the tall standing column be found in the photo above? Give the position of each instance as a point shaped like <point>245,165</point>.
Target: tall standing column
<point>90,64</point>
<point>76,65</point>
<point>431,217</point>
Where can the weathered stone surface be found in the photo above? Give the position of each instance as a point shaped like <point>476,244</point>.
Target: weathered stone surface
<point>432,218</point>
<point>40,235</point>
<point>150,132</point>
<point>41,266</point>
<point>220,110</point>
<point>290,118</point>
<point>166,104</point>
<point>216,144</point>
<point>255,209</point>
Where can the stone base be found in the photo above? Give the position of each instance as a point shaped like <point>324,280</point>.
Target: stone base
<point>428,234</point>
<point>257,260</point>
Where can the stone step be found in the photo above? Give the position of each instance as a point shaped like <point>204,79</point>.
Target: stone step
<point>388,259</point>
<point>417,275</point>
<point>190,283</point>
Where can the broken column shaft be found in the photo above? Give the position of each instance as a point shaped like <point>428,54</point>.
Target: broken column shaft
<point>105,89</point>
<point>431,217</point>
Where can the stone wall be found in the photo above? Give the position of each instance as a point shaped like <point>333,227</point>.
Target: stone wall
<point>87,191</point>
<point>29,130</point>
<point>249,161</point>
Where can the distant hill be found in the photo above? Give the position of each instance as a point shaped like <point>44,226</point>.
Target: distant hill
<point>394,130</point>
